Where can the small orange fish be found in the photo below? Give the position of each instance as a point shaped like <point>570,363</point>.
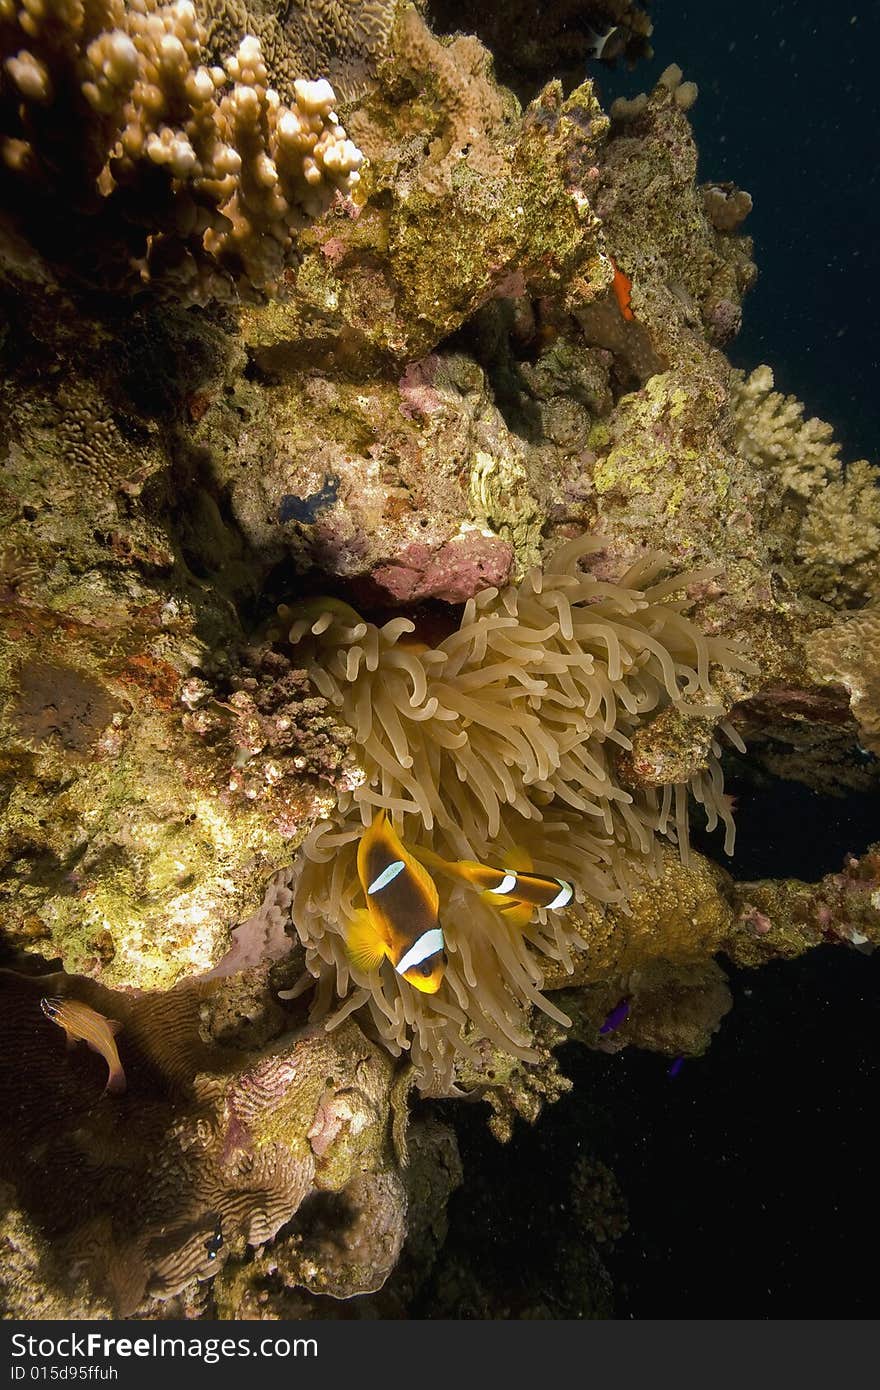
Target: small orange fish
<point>622,286</point>
<point>400,920</point>
<point>83,1024</point>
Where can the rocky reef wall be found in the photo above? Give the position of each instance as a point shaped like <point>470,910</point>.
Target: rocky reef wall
<point>373,359</point>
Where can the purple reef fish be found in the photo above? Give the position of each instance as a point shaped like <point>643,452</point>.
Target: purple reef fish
<point>616,1017</point>
<point>676,1067</point>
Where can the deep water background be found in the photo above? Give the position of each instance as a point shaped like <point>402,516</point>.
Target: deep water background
<point>751,1177</point>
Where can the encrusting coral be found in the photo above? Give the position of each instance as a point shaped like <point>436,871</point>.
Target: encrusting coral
<point>848,654</point>
<point>500,739</point>
<point>187,172</point>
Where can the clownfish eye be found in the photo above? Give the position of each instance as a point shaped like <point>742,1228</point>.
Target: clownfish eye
<point>425,968</point>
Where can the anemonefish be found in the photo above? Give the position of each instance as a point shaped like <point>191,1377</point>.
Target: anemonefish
<point>509,886</point>
<point>401,920</point>
<point>83,1024</point>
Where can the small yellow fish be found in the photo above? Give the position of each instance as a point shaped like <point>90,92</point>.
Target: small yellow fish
<point>400,921</point>
<point>83,1024</point>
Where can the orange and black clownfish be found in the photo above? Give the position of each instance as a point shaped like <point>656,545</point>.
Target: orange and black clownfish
<point>400,921</point>
<point>512,886</point>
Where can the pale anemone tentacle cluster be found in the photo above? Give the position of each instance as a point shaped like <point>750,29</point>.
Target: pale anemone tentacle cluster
<point>97,99</point>
<point>501,738</point>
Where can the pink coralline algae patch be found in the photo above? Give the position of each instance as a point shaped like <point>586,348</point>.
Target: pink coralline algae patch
<point>454,572</point>
<point>333,249</point>
<point>757,921</point>
<point>416,386</point>
<point>329,1120</point>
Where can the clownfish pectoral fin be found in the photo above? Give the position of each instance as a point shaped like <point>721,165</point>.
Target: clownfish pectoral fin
<point>517,915</point>
<point>365,947</point>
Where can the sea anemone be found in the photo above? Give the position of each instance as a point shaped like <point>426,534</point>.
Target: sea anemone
<point>501,740</point>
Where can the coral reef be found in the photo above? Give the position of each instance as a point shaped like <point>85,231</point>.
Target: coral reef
<point>848,654</point>
<point>782,918</point>
<point>342,42</point>
<point>260,378</point>
<point>123,852</point>
<point>297,1278</point>
<point>825,515</point>
<point>530,38</point>
<point>463,196</point>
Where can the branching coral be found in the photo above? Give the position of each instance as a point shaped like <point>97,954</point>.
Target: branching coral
<point>193,172</point>
<point>830,512</point>
<point>839,541</point>
<point>771,431</point>
<point>503,738</point>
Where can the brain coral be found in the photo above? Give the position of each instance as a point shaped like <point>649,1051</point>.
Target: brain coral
<point>503,737</point>
<point>342,40</point>
<point>212,1147</point>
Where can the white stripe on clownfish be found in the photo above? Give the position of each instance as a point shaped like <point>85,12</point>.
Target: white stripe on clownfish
<point>563,897</point>
<point>388,875</point>
<point>428,944</point>
<point>504,887</point>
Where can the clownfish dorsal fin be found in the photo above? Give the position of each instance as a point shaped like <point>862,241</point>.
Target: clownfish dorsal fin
<point>365,947</point>
<point>430,860</point>
<point>519,858</point>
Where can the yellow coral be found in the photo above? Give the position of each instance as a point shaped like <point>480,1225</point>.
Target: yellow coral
<point>839,540</point>
<point>771,432</point>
